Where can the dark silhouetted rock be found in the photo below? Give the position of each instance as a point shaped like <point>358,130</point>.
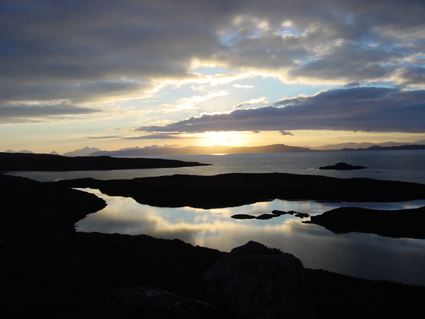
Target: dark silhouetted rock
<point>282,212</point>
<point>408,223</point>
<point>301,215</point>
<point>243,216</point>
<point>279,212</point>
<point>254,281</point>
<point>156,303</point>
<point>265,216</point>
<point>342,167</point>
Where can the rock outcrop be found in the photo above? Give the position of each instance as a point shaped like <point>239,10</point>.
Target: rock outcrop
<point>254,281</point>
<point>342,167</point>
<point>275,213</point>
<point>408,223</point>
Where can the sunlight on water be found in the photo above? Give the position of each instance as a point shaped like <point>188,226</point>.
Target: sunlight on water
<point>360,255</point>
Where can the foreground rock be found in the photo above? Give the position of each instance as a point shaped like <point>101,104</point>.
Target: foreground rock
<point>28,206</point>
<point>343,167</point>
<point>409,223</point>
<point>254,281</point>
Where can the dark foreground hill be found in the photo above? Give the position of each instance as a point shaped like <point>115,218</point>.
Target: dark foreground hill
<point>50,271</point>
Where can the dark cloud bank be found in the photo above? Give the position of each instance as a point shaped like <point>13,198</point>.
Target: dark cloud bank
<point>355,109</point>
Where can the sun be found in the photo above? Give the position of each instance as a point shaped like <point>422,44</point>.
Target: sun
<point>220,138</point>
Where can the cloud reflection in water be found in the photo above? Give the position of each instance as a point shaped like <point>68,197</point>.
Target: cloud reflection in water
<point>360,255</point>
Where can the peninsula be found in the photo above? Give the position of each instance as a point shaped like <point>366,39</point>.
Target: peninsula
<point>49,162</point>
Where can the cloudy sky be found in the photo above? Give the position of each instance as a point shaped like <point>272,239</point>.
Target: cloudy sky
<point>114,74</point>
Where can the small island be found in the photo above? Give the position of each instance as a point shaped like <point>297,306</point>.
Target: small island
<point>342,167</point>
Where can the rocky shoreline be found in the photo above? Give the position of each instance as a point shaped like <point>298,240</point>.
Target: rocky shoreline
<point>50,271</point>
<point>407,223</point>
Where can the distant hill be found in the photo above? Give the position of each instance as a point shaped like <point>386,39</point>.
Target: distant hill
<point>198,150</point>
<point>352,145</point>
<point>86,151</point>
<point>21,151</point>
<point>401,147</point>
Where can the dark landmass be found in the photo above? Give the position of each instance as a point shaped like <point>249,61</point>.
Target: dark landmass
<point>196,150</point>
<point>388,148</point>
<point>275,213</point>
<point>365,145</point>
<point>409,223</point>
<point>49,162</point>
<point>276,148</point>
<point>238,189</point>
<point>343,167</point>
<point>396,148</point>
<point>50,271</point>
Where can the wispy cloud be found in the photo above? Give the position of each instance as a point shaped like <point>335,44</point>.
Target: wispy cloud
<point>155,137</point>
<point>191,102</point>
<point>286,133</point>
<point>243,86</point>
<point>261,100</point>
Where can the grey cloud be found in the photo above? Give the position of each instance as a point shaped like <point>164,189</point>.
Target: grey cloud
<point>413,76</point>
<point>349,63</point>
<point>77,92</point>
<point>155,137</point>
<point>46,47</point>
<point>355,109</point>
<point>34,112</point>
<point>286,133</point>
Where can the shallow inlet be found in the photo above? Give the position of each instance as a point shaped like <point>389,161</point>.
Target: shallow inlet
<point>360,255</point>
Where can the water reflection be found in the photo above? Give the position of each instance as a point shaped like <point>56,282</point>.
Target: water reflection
<point>360,255</point>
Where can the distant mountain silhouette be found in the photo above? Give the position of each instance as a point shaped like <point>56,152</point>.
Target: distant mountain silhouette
<point>401,147</point>
<point>21,151</point>
<point>198,150</point>
<point>365,145</point>
<point>86,151</point>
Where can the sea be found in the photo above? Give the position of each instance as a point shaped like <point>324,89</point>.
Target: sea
<point>356,254</point>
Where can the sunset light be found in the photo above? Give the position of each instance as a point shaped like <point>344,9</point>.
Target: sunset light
<point>142,73</point>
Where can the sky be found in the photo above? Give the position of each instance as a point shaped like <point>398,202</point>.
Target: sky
<point>120,74</point>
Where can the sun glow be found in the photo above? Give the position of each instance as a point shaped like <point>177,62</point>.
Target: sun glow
<point>221,138</point>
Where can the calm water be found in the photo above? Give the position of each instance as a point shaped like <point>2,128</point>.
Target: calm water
<point>355,254</point>
<point>360,255</point>
<point>406,166</point>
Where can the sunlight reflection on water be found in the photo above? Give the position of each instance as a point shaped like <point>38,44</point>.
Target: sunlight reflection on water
<point>360,255</point>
